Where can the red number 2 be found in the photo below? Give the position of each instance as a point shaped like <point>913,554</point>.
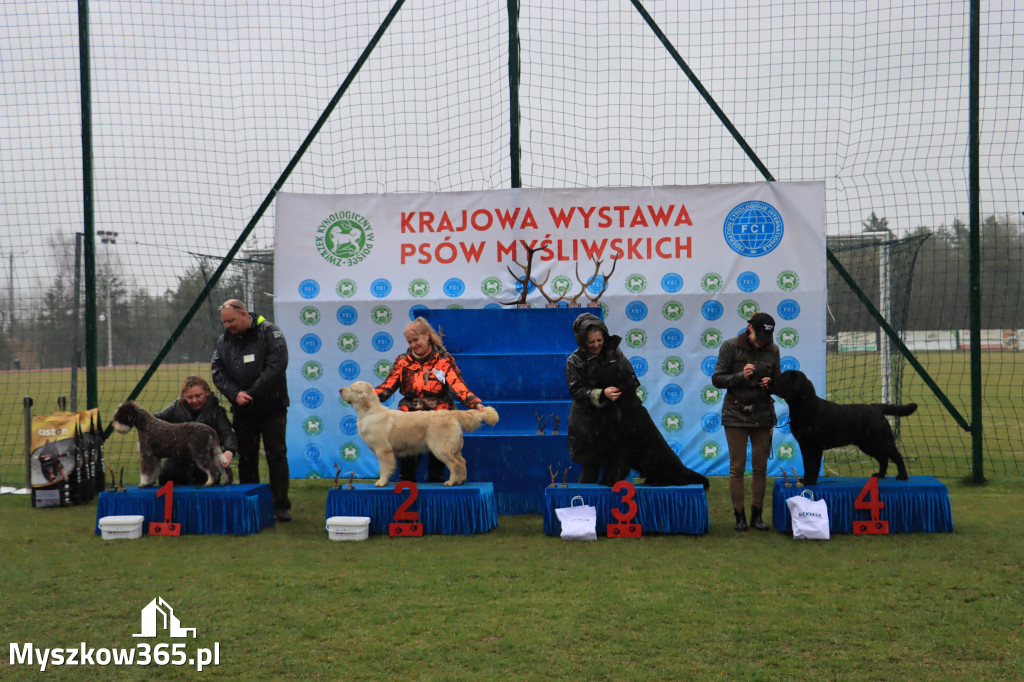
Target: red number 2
<point>413,528</point>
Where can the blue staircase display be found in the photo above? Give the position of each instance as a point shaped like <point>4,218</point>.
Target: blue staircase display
<point>514,360</point>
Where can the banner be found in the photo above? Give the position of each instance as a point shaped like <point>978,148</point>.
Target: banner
<point>691,265</point>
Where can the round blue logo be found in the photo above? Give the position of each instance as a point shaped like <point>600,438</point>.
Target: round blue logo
<point>711,422</point>
<point>312,398</point>
<point>636,311</point>
<point>312,453</point>
<point>783,422</point>
<point>712,310</point>
<point>596,286</point>
<point>754,228</point>
<point>309,288</point>
<point>382,342</point>
<point>310,343</point>
<point>672,338</point>
<point>671,283</point>
<point>454,287</point>
<point>676,446</point>
<point>349,425</point>
<point>707,365</point>
<point>380,288</point>
<point>417,311</point>
<point>788,362</point>
<point>748,281</point>
<point>639,365</point>
<point>789,309</point>
<point>348,370</point>
<point>347,315</point>
<point>672,394</point>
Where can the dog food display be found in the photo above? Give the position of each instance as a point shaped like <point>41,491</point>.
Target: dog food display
<point>59,474</point>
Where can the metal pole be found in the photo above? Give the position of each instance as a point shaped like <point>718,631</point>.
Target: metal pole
<point>92,393</point>
<point>26,403</point>
<point>515,148</point>
<point>977,441</point>
<point>76,314</point>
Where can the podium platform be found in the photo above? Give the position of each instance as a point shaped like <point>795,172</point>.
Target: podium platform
<point>218,510</point>
<point>660,509</point>
<point>918,505</point>
<point>465,509</point>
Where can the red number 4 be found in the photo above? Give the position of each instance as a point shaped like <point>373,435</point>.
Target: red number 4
<point>869,499</point>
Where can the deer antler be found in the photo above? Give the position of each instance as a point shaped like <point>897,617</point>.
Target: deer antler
<point>552,302</point>
<point>604,283</point>
<point>527,279</point>
<point>573,302</point>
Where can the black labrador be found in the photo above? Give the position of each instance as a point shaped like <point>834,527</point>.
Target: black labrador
<point>818,425</point>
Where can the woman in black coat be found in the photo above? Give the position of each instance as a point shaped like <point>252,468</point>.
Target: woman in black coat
<point>609,428</point>
<point>196,403</point>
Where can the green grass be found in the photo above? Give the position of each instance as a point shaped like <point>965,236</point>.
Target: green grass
<point>515,604</point>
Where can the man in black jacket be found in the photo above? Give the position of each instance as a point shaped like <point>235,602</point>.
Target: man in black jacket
<point>249,369</point>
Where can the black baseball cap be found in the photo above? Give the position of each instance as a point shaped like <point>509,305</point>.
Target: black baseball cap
<point>764,326</point>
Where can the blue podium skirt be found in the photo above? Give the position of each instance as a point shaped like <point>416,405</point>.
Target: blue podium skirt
<point>218,510</point>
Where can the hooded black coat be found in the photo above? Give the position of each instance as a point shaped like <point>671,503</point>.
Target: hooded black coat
<point>617,435</point>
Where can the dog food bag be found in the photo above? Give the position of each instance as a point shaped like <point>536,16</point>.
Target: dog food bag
<point>52,459</point>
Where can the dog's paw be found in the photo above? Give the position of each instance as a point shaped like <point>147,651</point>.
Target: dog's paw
<point>902,477</point>
<point>381,483</point>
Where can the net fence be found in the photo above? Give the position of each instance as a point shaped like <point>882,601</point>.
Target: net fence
<point>197,107</point>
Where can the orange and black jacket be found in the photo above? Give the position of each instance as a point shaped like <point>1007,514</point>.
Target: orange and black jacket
<point>420,382</point>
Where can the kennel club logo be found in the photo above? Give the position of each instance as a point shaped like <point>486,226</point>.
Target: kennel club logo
<point>754,228</point>
<point>344,238</point>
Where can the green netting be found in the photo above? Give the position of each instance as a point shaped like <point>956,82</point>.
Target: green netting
<point>197,107</point>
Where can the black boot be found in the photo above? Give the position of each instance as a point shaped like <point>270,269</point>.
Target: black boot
<point>755,518</point>
<point>741,519</point>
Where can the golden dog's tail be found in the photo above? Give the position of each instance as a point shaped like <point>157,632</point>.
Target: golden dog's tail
<point>470,420</point>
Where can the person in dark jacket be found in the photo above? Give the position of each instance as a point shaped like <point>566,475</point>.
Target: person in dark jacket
<point>249,369</point>
<point>609,428</point>
<point>746,367</point>
<point>195,403</point>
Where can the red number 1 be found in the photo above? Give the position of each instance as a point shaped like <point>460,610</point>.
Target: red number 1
<point>870,500</point>
<point>166,528</point>
<point>625,529</point>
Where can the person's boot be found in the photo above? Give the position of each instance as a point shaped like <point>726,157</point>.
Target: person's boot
<point>741,519</point>
<point>755,518</point>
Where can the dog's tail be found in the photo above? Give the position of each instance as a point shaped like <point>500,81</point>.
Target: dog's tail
<point>896,410</point>
<point>470,420</point>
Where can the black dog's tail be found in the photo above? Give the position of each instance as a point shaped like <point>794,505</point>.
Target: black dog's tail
<point>896,410</point>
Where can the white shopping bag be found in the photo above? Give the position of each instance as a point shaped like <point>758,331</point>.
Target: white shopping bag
<point>809,516</point>
<point>579,521</point>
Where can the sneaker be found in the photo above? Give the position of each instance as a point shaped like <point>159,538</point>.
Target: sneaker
<point>282,515</point>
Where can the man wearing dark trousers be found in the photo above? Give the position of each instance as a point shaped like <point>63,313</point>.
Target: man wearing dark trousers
<point>249,369</point>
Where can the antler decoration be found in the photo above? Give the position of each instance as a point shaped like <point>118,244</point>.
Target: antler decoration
<point>565,475</point>
<point>527,279</point>
<point>337,469</point>
<point>574,301</point>
<point>554,475</point>
<point>796,478</point>
<point>351,477</point>
<point>541,422</point>
<point>785,479</point>
<point>554,420</point>
<point>112,486</point>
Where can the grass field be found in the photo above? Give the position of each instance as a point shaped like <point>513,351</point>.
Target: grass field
<point>515,604</point>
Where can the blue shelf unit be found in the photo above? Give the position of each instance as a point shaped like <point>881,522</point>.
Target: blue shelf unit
<point>514,360</point>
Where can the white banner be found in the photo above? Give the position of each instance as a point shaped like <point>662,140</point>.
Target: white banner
<point>692,264</point>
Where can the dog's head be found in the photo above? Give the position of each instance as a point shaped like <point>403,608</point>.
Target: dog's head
<point>792,386</point>
<point>359,395</point>
<point>126,417</point>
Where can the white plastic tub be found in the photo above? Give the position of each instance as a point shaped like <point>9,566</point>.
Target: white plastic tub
<point>348,527</point>
<point>121,527</point>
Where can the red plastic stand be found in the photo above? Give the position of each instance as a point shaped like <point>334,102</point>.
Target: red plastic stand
<point>625,529</point>
<point>870,500</point>
<point>167,527</point>
<point>406,522</point>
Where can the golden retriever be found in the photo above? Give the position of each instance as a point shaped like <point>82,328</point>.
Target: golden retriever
<point>392,433</point>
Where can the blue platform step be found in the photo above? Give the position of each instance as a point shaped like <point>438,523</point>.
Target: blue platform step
<point>520,417</point>
<point>660,509</point>
<point>219,510</point>
<point>517,466</point>
<point>918,505</point>
<point>526,330</point>
<point>465,509</point>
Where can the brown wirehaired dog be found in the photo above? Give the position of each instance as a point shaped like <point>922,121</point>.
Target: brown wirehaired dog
<point>159,439</point>
<point>392,433</point>
<point>819,425</point>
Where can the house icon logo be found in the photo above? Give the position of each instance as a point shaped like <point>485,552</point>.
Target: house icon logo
<point>158,616</point>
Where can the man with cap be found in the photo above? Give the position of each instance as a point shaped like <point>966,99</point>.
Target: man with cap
<point>746,367</point>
